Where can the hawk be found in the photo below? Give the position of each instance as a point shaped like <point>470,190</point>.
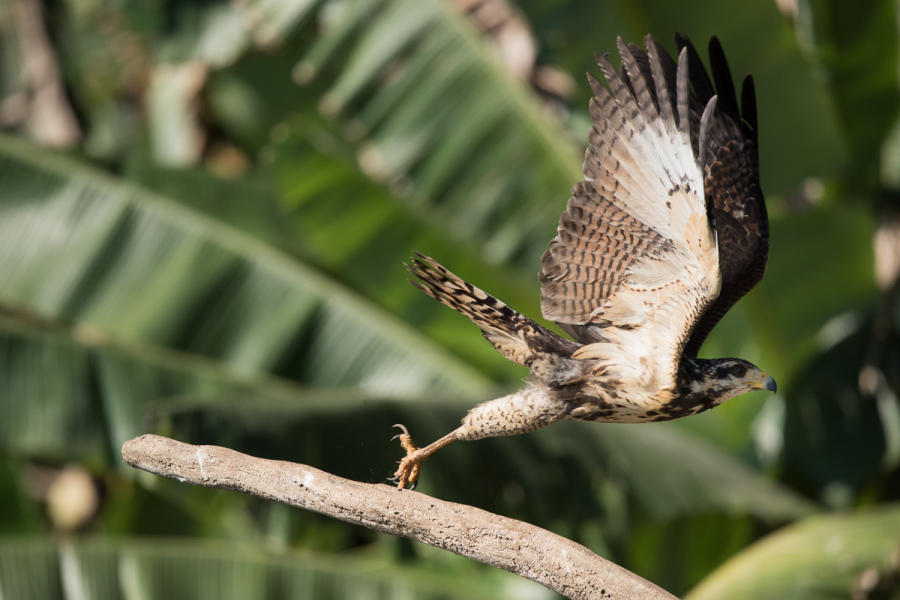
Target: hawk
<point>665,233</point>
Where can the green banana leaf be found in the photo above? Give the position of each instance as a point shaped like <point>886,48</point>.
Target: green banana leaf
<point>160,567</point>
<point>820,557</point>
<point>114,265</point>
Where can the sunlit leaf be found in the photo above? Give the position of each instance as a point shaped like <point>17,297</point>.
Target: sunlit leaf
<point>821,557</point>
<point>441,116</point>
<point>312,196</point>
<point>81,247</point>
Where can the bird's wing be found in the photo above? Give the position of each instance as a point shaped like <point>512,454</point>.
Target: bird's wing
<point>731,182</point>
<point>634,263</point>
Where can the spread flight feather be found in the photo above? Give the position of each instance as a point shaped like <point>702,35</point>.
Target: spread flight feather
<point>641,216</point>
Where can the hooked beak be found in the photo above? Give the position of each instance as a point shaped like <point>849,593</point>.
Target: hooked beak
<point>766,382</point>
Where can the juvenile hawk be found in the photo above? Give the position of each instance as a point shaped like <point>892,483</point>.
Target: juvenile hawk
<point>666,232</point>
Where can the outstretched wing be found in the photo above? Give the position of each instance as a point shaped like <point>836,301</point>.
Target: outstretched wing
<point>634,263</point>
<point>731,182</point>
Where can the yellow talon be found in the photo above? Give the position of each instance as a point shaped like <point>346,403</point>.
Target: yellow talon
<point>411,464</point>
<point>408,471</point>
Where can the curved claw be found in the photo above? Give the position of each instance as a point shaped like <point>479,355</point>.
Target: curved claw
<point>406,475</point>
<point>396,479</point>
<point>402,428</point>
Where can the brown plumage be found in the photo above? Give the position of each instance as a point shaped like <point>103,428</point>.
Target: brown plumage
<point>731,185</point>
<point>666,232</point>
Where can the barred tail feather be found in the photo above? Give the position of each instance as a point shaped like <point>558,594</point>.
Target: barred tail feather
<point>514,335</point>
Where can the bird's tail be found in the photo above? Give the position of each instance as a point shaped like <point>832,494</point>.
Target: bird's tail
<point>516,336</point>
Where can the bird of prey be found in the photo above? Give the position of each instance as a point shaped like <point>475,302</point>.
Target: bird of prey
<point>665,233</point>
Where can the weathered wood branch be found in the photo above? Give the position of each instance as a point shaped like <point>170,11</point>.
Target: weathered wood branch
<point>521,548</point>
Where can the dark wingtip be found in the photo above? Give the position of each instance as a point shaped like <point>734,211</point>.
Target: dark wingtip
<point>722,77</point>
<point>748,108</point>
<point>702,84</point>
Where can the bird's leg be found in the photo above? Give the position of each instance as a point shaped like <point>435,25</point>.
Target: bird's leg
<point>411,464</point>
<point>526,410</point>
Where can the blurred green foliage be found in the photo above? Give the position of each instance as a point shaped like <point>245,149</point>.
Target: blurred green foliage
<point>217,256</point>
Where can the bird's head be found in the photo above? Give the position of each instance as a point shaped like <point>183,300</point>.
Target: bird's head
<point>724,378</point>
<point>732,377</point>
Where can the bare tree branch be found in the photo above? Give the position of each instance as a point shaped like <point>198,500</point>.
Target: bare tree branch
<point>521,548</point>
